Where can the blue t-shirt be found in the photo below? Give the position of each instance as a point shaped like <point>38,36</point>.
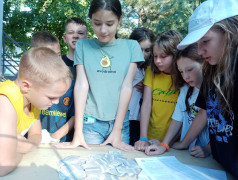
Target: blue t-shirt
<point>57,115</point>
<point>105,79</point>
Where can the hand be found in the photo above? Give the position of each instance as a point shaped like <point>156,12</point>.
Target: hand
<point>200,152</point>
<point>154,141</point>
<point>154,150</point>
<point>47,138</point>
<point>115,140</point>
<point>140,86</point>
<point>179,145</point>
<point>141,145</point>
<point>79,141</point>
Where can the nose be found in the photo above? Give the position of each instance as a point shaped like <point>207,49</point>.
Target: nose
<point>76,35</point>
<point>157,60</point>
<point>200,49</point>
<point>103,29</point>
<point>186,75</point>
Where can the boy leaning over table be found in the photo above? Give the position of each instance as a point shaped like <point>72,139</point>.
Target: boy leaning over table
<point>42,79</point>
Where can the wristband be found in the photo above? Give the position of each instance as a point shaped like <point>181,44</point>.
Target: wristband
<point>144,139</point>
<point>165,145</point>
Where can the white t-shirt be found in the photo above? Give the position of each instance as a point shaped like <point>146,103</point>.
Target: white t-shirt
<point>134,105</point>
<point>186,117</point>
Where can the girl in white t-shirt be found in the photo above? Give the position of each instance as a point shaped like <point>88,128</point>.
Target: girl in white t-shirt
<point>189,74</point>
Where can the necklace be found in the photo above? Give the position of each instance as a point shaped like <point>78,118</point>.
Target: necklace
<point>106,59</point>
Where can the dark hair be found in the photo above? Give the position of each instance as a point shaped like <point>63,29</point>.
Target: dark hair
<point>191,53</point>
<point>43,37</point>
<point>110,5</point>
<point>142,34</point>
<point>76,20</point>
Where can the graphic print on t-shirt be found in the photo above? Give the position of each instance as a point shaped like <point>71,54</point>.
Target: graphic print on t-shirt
<point>219,125</point>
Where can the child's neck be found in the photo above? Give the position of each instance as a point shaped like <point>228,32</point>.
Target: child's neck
<point>70,55</point>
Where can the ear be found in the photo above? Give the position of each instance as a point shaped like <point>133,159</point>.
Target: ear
<point>64,38</point>
<point>25,86</point>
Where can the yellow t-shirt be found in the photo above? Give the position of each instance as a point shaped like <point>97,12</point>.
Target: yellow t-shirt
<point>24,122</point>
<point>163,103</point>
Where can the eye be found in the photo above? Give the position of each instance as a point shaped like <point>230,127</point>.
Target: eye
<point>205,41</point>
<point>189,70</point>
<point>70,33</point>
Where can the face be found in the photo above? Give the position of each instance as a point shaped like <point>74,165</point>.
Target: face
<point>74,32</point>
<point>191,71</point>
<point>45,96</point>
<point>210,46</point>
<point>105,25</point>
<point>55,47</point>
<point>146,48</point>
<point>162,60</point>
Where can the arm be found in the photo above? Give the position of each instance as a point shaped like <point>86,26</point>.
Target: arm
<point>9,157</point>
<point>125,95</point>
<point>144,118</point>
<point>174,128</point>
<point>64,130</point>
<point>199,123</point>
<point>34,138</point>
<point>80,96</point>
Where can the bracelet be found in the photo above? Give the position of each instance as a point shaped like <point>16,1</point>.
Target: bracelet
<point>165,145</point>
<point>144,139</point>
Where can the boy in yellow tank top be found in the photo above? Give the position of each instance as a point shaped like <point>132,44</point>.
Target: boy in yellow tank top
<point>42,78</point>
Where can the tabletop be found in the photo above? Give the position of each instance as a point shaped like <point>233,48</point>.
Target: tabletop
<point>42,162</point>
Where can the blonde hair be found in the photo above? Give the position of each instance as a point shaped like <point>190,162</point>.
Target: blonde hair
<point>43,66</point>
<point>223,74</point>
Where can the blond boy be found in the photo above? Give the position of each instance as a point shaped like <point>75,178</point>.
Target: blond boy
<point>42,79</point>
<point>75,29</point>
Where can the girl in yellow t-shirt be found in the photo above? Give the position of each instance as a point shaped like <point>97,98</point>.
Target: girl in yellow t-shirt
<point>160,96</point>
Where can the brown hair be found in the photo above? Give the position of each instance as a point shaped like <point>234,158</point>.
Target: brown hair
<point>191,53</point>
<point>223,75</point>
<point>43,66</point>
<point>40,38</point>
<point>167,42</point>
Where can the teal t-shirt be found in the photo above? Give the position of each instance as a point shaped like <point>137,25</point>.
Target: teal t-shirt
<point>105,82</point>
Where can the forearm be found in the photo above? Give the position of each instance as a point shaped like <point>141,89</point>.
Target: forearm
<point>124,100</point>
<point>80,97</point>
<point>64,130</point>
<point>173,129</point>
<point>198,124</point>
<point>26,145</point>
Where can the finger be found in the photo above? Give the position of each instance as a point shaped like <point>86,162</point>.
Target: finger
<point>85,146</point>
<point>104,143</point>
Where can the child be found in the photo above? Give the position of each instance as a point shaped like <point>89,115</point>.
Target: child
<point>106,67</point>
<point>46,39</point>
<point>145,38</point>
<point>160,96</point>
<point>39,85</point>
<point>189,64</point>
<point>214,26</point>
<point>75,29</point>
<point>58,120</point>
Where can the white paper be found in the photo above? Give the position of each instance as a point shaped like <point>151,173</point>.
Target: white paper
<point>169,167</point>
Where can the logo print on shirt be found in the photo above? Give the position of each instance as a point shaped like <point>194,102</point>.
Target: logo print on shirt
<point>66,101</point>
<point>220,126</point>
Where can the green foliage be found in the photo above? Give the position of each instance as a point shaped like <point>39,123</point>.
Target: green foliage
<point>50,15</point>
<point>161,15</point>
